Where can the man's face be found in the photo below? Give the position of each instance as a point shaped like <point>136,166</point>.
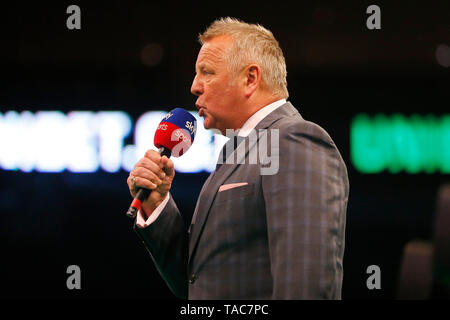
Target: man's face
<point>218,98</point>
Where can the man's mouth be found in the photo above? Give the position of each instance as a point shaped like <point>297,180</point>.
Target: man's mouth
<point>201,112</point>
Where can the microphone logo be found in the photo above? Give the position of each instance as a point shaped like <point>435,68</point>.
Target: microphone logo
<point>190,126</point>
<point>179,135</point>
<point>184,142</point>
<point>162,126</point>
<point>168,115</point>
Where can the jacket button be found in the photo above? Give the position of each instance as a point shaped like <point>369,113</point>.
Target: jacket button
<point>193,278</point>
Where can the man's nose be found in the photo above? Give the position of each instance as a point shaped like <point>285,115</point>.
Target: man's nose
<point>196,88</point>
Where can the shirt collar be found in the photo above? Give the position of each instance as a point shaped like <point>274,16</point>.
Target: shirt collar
<point>251,122</point>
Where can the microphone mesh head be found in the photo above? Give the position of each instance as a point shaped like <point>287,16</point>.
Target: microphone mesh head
<point>176,131</point>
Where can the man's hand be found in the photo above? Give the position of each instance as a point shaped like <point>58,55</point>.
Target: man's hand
<point>155,173</point>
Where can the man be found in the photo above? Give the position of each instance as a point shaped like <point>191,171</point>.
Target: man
<point>253,235</point>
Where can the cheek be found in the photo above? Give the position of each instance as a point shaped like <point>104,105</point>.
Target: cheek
<point>219,96</point>
<point>214,95</point>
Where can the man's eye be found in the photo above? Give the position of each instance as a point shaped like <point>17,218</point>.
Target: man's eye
<point>207,72</point>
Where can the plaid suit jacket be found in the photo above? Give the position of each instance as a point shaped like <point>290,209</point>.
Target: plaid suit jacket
<point>277,236</point>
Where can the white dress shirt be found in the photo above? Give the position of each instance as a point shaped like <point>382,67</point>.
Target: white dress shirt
<point>247,127</point>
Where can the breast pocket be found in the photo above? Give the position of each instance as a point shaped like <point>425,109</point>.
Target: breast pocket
<point>241,192</point>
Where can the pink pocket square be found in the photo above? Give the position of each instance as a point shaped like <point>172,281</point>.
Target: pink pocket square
<point>231,186</point>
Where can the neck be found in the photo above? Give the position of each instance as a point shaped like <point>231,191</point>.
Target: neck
<point>254,105</point>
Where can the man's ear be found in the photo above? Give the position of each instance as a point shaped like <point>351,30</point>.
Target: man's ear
<point>252,75</point>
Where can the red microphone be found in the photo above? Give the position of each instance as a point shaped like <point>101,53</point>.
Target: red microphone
<point>174,136</point>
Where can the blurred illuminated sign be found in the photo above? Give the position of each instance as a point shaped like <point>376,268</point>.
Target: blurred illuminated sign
<point>87,141</point>
<point>398,143</point>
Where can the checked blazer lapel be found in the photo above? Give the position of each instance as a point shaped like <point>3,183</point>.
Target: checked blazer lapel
<point>218,177</point>
<point>205,200</point>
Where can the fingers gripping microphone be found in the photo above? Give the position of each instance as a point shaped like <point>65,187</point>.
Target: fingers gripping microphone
<point>174,136</point>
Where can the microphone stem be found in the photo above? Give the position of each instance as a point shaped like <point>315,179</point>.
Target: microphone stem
<point>165,152</point>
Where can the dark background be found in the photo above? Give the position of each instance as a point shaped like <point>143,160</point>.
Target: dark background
<point>336,69</point>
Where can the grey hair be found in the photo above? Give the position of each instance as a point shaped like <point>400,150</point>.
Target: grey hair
<point>252,43</point>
